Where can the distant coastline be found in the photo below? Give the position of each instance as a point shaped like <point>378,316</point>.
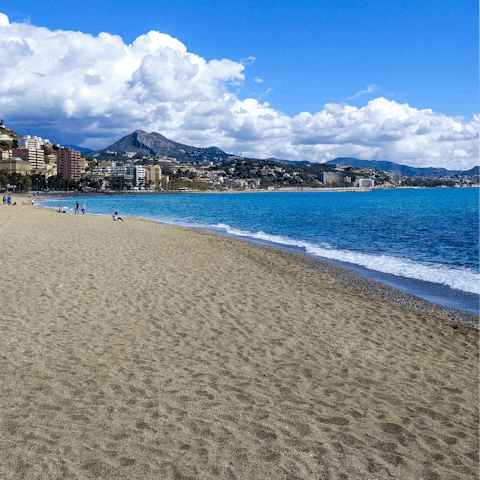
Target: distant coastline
<point>41,194</point>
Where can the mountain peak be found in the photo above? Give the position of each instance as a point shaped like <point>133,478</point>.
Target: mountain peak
<point>155,144</point>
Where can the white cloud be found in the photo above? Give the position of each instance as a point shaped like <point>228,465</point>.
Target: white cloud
<point>266,92</point>
<point>370,89</point>
<point>247,61</point>
<point>257,80</point>
<point>94,90</point>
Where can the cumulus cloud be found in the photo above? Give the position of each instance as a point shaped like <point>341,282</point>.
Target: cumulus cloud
<point>94,90</point>
<point>257,80</point>
<point>370,89</point>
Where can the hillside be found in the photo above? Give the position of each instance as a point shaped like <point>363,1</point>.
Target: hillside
<point>7,138</point>
<point>401,169</point>
<point>472,171</point>
<point>156,144</point>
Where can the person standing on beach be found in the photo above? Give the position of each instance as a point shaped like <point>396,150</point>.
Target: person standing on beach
<point>77,205</point>
<point>4,200</point>
<point>83,208</point>
<point>59,207</point>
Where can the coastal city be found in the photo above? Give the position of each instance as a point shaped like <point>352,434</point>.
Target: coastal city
<point>33,163</point>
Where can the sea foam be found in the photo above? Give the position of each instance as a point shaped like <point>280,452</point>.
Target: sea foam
<point>459,278</point>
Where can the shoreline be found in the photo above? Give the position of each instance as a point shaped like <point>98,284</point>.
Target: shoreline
<point>351,278</point>
<point>137,349</point>
<point>63,194</point>
<point>365,286</point>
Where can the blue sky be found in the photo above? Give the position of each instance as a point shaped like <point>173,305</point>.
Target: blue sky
<point>298,57</point>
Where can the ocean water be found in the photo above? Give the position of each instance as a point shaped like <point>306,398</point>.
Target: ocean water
<point>422,241</point>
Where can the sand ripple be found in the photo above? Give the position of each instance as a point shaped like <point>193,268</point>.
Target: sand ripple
<point>137,350</point>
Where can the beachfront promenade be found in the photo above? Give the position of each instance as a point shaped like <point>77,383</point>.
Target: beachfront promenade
<point>136,350</point>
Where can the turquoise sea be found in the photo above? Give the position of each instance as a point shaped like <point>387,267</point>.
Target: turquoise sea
<point>422,241</point>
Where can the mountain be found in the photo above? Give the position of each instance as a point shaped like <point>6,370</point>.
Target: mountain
<point>289,162</point>
<point>472,171</point>
<point>401,169</point>
<point>156,144</point>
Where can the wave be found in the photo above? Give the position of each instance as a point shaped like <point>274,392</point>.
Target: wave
<point>458,278</point>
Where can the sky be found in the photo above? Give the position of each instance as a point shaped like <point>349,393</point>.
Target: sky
<point>305,80</point>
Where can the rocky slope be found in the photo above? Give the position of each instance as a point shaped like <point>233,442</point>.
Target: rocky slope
<point>156,144</point>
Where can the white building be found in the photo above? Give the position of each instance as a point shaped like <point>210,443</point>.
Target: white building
<point>365,182</point>
<point>32,142</point>
<point>138,172</point>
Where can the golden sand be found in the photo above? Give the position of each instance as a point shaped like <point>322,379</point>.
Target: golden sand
<point>136,350</point>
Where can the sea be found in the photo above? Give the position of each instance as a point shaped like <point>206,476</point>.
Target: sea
<point>421,241</point>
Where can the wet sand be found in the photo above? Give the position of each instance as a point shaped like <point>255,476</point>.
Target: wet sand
<point>136,350</point>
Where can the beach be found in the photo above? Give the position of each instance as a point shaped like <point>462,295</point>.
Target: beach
<point>138,350</point>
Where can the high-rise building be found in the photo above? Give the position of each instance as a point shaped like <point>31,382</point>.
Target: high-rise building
<point>36,156</point>
<point>138,173</point>
<point>31,142</point>
<point>154,173</point>
<point>69,163</point>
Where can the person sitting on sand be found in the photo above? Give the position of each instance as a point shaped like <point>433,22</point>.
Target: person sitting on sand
<point>116,217</point>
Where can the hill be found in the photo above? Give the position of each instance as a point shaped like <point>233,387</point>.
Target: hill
<point>6,131</point>
<point>156,144</point>
<point>8,138</point>
<point>472,171</point>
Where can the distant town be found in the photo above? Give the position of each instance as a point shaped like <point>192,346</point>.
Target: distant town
<point>31,163</point>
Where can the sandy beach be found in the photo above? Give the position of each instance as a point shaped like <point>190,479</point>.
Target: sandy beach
<point>137,350</point>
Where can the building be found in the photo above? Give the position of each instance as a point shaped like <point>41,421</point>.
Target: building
<point>331,177</point>
<point>154,174</point>
<point>138,173</point>
<point>31,142</point>
<point>69,163</point>
<point>5,154</point>
<point>365,182</point>
<point>15,165</point>
<point>35,156</point>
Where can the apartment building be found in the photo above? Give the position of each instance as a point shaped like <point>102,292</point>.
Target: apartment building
<point>154,173</point>
<point>31,142</point>
<point>69,163</point>
<point>35,156</point>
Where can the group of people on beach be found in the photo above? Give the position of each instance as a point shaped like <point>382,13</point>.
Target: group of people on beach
<point>78,209</point>
<point>8,201</point>
<point>77,206</point>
